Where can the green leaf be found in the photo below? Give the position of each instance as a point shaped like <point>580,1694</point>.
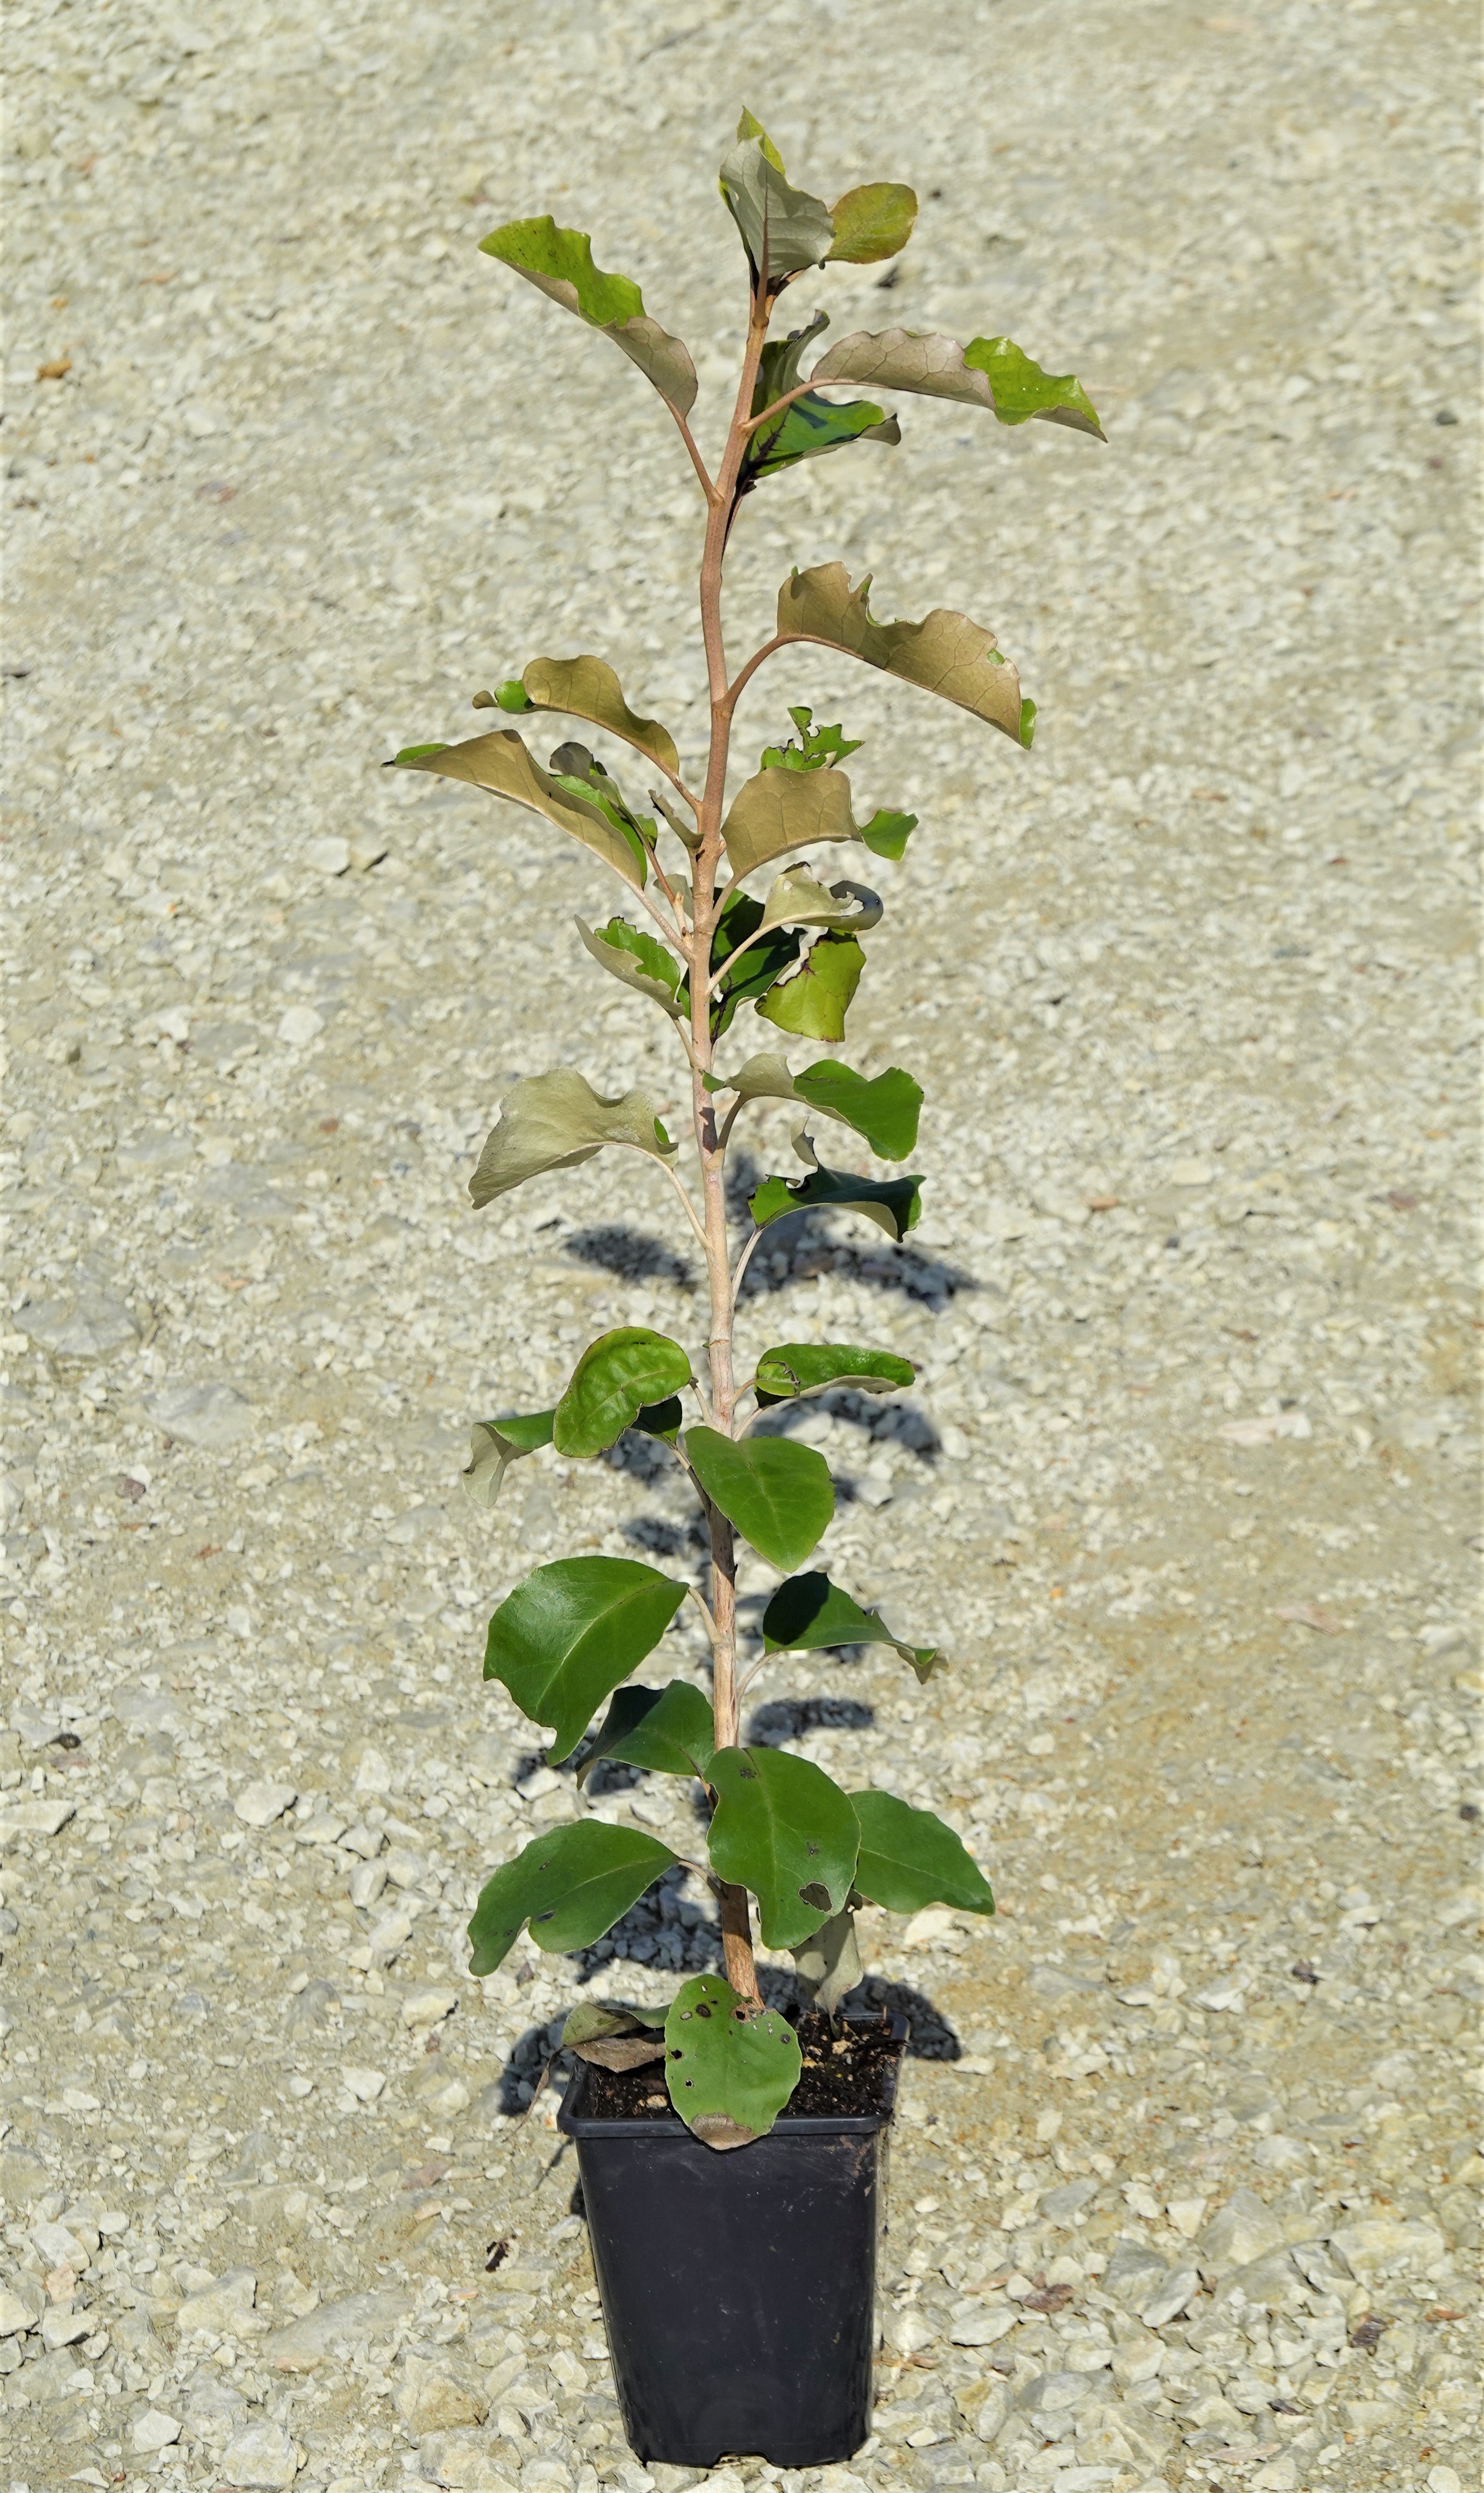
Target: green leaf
<point>613,1381</point>
<point>783,229</point>
<point>560,261</point>
<point>660,1419</point>
<point>945,654</point>
<point>750,127</point>
<point>989,373</point>
<point>817,747</point>
<point>778,1495</point>
<point>639,960</point>
<point>786,809</point>
<point>588,688</point>
<point>886,834</point>
<point>784,1830</point>
<point>740,919</point>
<point>563,1640</point>
<point>552,1120</point>
<point>501,763</point>
<point>829,1962</point>
<point>730,2066</point>
<point>909,1858</point>
<point>796,899</point>
<point>791,1368</point>
<point>884,1111</point>
<point>580,774</point>
<point>874,222</point>
<point>664,1730</point>
<point>495,1444</point>
<point>808,1614</point>
<point>894,1204</point>
<point>572,1885</point>
<point>1028,728</point>
<point>814,1002</point>
<point>811,425</point>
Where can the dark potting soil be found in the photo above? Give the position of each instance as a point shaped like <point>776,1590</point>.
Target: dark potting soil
<point>848,2072</point>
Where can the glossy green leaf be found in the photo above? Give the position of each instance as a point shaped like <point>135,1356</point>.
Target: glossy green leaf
<point>828,1963</point>
<point>786,809</point>
<point>552,1120</point>
<point>617,1376</point>
<point>813,424</point>
<point>894,1204</point>
<point>945,654</point>
<point>786,1832</point>
<point>814,1001</point>
<point>783,229</point>
<point>778,1495</point>
<point>886,834</point>
<point>560,261</point>
<point>730,2065</point>
<point>500,763</point>
<point>884,1110</point>
<point>660,1419</point>
<point>588,688</point>
<point>571,1886</point>
<point>818,748</point>
<point>765,961</point>
<point>664,1730</point>
<point>874,222</point>
<point>989,373</point>
<point>564,1639</point>
<point>808,1614</point>
<point>638,960</point>
<point>797,899</point>
<point>909,1858</point>
<point>495,1444</point>
<point>791,1368</point>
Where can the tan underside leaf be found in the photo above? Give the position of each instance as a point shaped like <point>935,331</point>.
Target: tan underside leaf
<point>924,362</point>
<point>500,763</point>
<point>945,654</point>
<point>787,809</point>
<point>588,688</point>
<point>797,899</point>
<point>555,1121</point>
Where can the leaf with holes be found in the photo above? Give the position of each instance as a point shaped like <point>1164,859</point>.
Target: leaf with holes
<point>617,1376</point>
<point>945,654</point>
<point>562,1642</point>
<point>778,1495</point>
<point>662,1731</point>
<point>495,1444</point>
<point>560,261</point>
<point>808,1614</point>
<point>730,2065</point>
<point>786,1831</point>
<point>501,764</point>
<point>791,1368</point>
<point>639,960</point>
<point>894,1204</point>
<point>554,1121</point>
<point>569,1886</point>
<point>814,1001</point>
<point>909,1858</point>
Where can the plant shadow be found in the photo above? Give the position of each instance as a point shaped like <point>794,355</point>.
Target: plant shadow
<point>630,1254</point>
<point>789,1718</point>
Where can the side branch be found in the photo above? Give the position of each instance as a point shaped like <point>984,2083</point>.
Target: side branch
<point>697,460</point>
<point>740,682</point>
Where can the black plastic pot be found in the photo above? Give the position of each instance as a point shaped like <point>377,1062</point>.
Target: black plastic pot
<point>738,2287</point>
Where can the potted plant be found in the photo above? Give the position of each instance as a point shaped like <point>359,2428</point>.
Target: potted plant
<point>729,2151</point>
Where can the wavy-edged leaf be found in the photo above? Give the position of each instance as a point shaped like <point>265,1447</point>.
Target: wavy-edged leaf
<point>500,763</point>
<point>828,1963</point>
<point>811,426</point>
<point>662,1731</point>
<point>560,261</point>
<point>818,748</point>
<point>883,1110</point>
<point>886,834</point>
<point>797,899</point>
<point>786,809</point>
<point>814,1001</point>
<point>615,1378</point>
<point>909,1858</point>
<point>945,654</point>
<point>564,1639</point>
<point>894,1203</point>
<point>783,229</point>
<point>793,1368</point>
<point>784,1830</point>
<point>778,1495</point>
<point>579,774</point>
<point>739,920</point>
<point>639,960</point>
<point>495,1444</point>
<point>808,1614</point>
<point>588,688</point>
<point>874,222</point>
<point>571,1886</point>
<point>990,373</point>
<point>730,2065</point>
<point>551,1121</point>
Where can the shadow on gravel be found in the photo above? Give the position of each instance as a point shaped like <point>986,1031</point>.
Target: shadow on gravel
<point>788,1718</point>
<point>630,1254</point>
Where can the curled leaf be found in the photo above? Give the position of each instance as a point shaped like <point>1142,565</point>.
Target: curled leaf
<point>883,1110</point>
<point>560,261</point>
<point>808,1614</point>
<point>783,229</point>
<point>588,688</point>
<point>894,1204</point>
<point>814,1001</point>
<point>945,654</point>
<point>615,1378</point>
<point>639,960</point>
<point>495,1444</point>
<point>796,899</point>
<point>500,763</point>
<point>828,1963</point>
<point>662,1731</point>
<point>791,1368</point>
<point>552,1120</point>
<point>818,748</point>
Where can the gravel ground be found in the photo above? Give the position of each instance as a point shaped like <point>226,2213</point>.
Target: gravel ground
<point>1186,2183</point>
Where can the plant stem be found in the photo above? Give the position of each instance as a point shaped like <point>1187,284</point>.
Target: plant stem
<point>736,1927</point>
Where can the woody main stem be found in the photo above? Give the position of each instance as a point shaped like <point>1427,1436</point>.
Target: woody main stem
<point>736,1927</point>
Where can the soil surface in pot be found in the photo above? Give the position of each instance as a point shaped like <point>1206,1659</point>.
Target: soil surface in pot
<point>848,2072</point>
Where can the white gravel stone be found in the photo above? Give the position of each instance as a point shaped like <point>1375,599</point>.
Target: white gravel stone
<point>260,1804</point>
<point>366,2084</point>
<point>261,2458</point>
<point>154,2430</point>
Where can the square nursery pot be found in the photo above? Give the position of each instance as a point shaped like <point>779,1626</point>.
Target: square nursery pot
<point>738,2287</point>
